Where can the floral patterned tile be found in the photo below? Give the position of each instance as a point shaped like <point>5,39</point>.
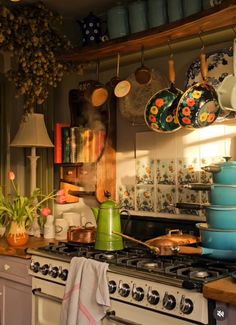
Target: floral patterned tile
<point>206,177</point>
<point>145,171</point>
<point>126,195</point>
<point>187,171</point>
<point>188,196</point>
<point>145,198</point>
<point>166,195</point>
<point>166,171</point>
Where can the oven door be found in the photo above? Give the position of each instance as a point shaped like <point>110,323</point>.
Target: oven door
<point>46,307</point>
<point>46,302</point>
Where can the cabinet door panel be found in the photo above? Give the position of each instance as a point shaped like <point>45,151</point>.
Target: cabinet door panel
<point>15,303</point>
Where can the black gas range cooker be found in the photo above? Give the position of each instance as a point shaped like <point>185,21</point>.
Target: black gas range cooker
<point>165,285</point>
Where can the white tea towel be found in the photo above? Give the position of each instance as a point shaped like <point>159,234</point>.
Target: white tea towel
<point>86,295</point>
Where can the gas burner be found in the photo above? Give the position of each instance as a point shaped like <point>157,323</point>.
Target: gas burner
<point>151,265</point>
<point>199,274</point>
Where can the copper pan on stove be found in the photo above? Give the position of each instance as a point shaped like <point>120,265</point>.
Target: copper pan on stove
<point>164,245</point>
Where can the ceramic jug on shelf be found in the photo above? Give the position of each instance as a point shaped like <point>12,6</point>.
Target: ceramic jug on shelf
<point>91,29</point>
<point>108,220</point>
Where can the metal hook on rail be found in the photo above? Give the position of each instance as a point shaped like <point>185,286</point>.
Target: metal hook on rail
<point>170,49</point>
<point>201,39</point>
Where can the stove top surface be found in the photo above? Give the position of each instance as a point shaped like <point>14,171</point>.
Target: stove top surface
<point>192,270</point>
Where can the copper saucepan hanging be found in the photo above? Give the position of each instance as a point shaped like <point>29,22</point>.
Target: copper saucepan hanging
<point>199,107</point>
<point>160,110</point>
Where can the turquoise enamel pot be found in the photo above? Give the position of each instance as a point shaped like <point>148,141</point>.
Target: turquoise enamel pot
<point>221,194</point>
<point>223,173</point>
<point>223,239</point>
<point>222,217</point>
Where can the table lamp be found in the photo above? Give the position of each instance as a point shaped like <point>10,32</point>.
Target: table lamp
<point>32,133</point>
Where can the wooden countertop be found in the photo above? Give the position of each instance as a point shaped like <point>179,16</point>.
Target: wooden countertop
<point>223,290</point>
<point>33,242</point>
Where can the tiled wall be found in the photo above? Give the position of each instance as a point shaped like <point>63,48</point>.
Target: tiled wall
<point>153,180</point>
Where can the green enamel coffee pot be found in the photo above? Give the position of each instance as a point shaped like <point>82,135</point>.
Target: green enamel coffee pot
<point>108,220</point>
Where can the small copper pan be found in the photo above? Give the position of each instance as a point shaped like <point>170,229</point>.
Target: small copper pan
<point>82,235</point>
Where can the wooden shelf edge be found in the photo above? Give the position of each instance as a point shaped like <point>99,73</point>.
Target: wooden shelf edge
<point>213,19</point>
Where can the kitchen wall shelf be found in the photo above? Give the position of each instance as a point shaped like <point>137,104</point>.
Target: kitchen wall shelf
<point>208,21</point>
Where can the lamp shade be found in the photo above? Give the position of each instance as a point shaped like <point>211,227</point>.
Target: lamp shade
<point>32,133</point>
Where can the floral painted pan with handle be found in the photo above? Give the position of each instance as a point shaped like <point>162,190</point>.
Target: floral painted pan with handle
<point>160,111</point>
<point>199,106</point>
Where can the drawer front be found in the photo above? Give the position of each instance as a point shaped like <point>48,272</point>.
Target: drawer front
<point>15,269</point>
<point>68,173</point>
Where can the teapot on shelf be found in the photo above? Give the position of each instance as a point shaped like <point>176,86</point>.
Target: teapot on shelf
<point>91,29</point>
<point>108,220</point>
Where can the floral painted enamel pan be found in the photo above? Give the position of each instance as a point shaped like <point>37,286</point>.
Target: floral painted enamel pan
<point>160,111</point>
<point>199,106</point>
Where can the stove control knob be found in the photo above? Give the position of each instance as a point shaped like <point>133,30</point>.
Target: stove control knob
<point>34,266</point>
<point>153,297</point>
<point>138,293</point>
<point>124,289</point>
<point>54,272</point>
<point>186,305</point>
<point>169,301</point>
<point>112,286</point>
<point>63,274</point>
<point>44,269</point>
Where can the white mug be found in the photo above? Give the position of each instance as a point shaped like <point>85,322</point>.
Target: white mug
<point>61,227</point>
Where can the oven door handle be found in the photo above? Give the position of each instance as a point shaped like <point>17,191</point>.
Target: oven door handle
<point>111,315</point>
<point>38,292</point>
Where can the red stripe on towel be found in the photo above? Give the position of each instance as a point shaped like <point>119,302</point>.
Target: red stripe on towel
<point>67,295</point>
<point>84,310</point>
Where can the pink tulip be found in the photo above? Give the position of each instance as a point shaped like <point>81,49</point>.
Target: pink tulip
<point>60,192</point>
<point>11,175</point>
<point>45,212</point>
<point>61,199</point>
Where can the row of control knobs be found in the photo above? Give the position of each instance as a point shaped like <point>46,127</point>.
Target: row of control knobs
<point>52,271</point>
<point>153,297</point>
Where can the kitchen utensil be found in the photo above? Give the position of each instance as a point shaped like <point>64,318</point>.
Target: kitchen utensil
<point>223,173</point>
<point>154,6</point>
<point>96,93</point>
<point>219,194</point>
<point>137,16</point>
<point>221,254</point>
<point>160,110</point>
<point>198,106</point>
<point>175,235</point>
<point>163,245</point>
<point>143,74</point>
<point>91,29</point>
<point>219,63</point>
<point>61,227</point>
<point>132,105</point>
<point>227,90</point>
<point>217,238</point>
<point>83,235</point>
<point>117,21</point>
<point>217,216</point>
<point>108,220</point>
<point>114,80</point>
<point>122,87</point>
<point>154,249</point>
